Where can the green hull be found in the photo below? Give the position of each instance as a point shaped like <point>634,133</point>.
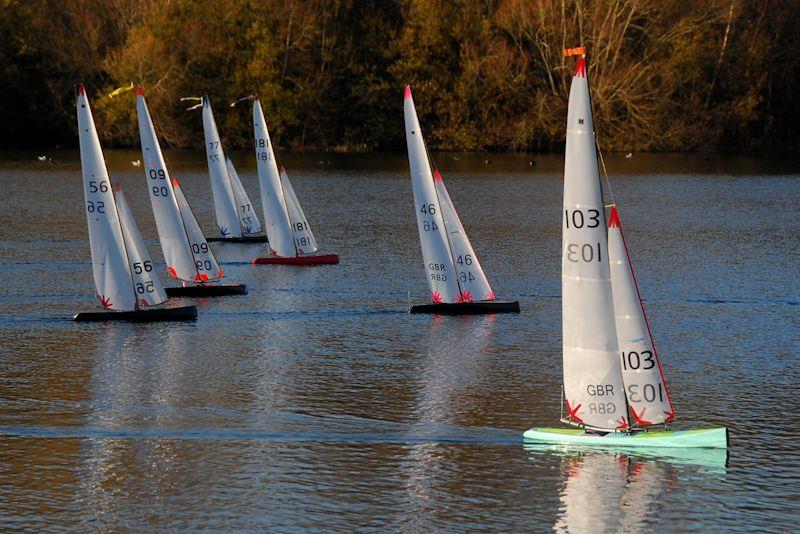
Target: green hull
<point>716,438</point>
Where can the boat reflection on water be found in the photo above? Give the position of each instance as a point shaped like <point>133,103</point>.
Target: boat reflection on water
<point>621,491</point>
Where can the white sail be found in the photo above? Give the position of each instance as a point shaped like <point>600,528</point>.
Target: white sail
<point>171,232</point>
<point>112,279</point>
<point>206,264</point>
<point>276,217</point>
<point>248,220</point>
<point>304,240</point>
<point>146,282</point>
<point>471,278</point>
<point>646,390</point>
<point>221,188</point>
<point>593,388</point>
<point>439,266</point>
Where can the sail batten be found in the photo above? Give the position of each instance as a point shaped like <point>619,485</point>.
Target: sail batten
<point>112,277</point>
<point>440,269</point>
<point>225,208</point>
<point>593,386</point>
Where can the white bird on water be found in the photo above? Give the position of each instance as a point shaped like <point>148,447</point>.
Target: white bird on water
<point>629,155</point>
<point>42,158</point>
<point>137,163</point>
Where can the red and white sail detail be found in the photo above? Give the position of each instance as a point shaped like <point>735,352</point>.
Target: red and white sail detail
<point>649,401</point>
<point>593,386</point>
<point>248,220</point>
<point>205,263</point>
<point>112,278</point>
<point>439,266</point>
<point>171,231</point>
<point>276,215</point>
<point>472,281</point>
<point>304,240</point>
<point>146,283</point>
<point>221,188</point>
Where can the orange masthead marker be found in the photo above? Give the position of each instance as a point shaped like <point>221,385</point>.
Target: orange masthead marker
<point>578,51</point>
<point>139,91</point>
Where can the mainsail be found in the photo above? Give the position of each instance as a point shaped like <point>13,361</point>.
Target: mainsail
<point>304,240</point>
<point>221,187</point>
<point>471,278</point>
<point>276,216</point>
<point>248,220</point>
<point>645,387</point>
<point>593,386</point>
<point>171,231</point>
<point>439,266</point>
<point>205,263</point>
<point>112,278</point>
<point>146,282</point>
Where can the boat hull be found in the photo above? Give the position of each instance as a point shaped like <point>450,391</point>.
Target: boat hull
<point>701,438</point>
<point>322,259</point>
<point>243,239</point>
<point>467,308</point>
<point>182,313</point>
<point>206,290</point>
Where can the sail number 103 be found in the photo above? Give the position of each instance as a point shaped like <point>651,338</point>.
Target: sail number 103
<point>577,219</point>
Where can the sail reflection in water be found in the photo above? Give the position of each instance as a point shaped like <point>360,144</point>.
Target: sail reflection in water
<point>620,492</point>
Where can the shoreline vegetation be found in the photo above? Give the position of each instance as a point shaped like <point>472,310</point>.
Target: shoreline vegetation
<point>488,75</point>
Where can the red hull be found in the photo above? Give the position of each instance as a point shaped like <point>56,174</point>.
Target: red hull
<point>323,259</point>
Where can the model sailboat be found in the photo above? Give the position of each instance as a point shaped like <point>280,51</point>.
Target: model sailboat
<point>123,272</point>
<point>457,282</point>
<point>613,385</point>
<point>290,239</point>
<point>186,251</point>
<point>236,220</point>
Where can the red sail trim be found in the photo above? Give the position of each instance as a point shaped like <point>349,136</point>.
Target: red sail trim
<point>105,301</point>
<point>139,91</point>
<point>639,418</point>
<point>613,219</point>
<point>407,93</point>
<point>172,272</point>
<point>436,296</point>
<point>644,315</point>
<point>80,90</point>
<point>622,424</point>
<point>465,296</point>
<point>436,176</point>
<point>572,413</point>
<point>580,69</point>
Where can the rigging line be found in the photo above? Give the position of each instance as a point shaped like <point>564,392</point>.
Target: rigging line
<point>596,141</point>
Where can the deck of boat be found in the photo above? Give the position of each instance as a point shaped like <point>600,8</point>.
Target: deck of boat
<point>243,239</point>
<point>182,313</point>
<point>206,290</point>
<point>467,308</point>
<point>322,259</point>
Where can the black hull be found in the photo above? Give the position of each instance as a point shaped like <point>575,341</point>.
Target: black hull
<point>183,313</point>
<point>243,239</point>
<point>206,290</point>
<point>467,308</point>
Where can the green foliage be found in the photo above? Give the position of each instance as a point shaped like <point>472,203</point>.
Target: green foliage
<point>486,74</point>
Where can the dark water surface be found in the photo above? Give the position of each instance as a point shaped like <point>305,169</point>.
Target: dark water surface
<point>317,401</point>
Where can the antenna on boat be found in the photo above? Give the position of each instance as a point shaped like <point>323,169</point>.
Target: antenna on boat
<point>198,99</point>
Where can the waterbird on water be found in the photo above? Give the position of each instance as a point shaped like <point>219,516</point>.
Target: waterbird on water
<point>629,155</point>
<point>137,163</point>
<point>43,158</point>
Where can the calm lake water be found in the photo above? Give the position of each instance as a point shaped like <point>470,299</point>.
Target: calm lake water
<point>316,401</point>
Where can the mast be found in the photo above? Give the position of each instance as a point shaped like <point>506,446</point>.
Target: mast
<point>593,386</point>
